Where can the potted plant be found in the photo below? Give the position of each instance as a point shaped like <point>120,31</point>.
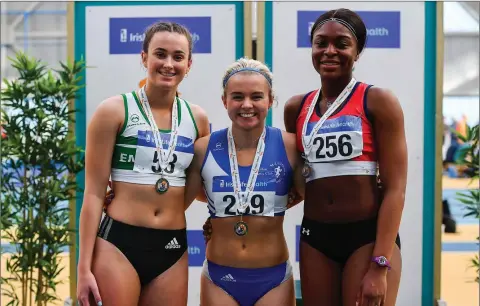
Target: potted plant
<point>467,156</point>
<point>39,162</point>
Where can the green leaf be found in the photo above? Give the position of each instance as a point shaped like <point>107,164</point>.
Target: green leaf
<point>469,156</point>
<point>41,160</point>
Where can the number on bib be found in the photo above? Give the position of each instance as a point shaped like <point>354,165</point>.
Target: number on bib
<point>333,146</point>
<point>171,165</point>
<point>257,202</point>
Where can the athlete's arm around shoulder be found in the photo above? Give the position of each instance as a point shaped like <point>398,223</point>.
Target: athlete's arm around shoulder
<point>298,191</point>
<point>290,112</point>
<point>101,134</point>
<point>193,186</point>
<point>203,125</point>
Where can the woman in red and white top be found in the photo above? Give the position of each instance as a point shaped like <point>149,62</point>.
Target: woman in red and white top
<point>347,130</point>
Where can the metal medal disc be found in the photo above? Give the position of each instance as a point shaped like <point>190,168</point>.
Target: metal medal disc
<point>306,170</point>
<point>162,185</point>
<point>241,228</point>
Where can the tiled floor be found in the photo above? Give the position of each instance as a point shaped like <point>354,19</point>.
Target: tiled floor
<point>63,290</point>
<point>457,286</point>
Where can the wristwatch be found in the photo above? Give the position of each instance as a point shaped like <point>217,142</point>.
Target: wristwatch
<point>381,261</point>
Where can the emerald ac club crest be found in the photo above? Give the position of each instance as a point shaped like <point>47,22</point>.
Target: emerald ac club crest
<point>134,118</point>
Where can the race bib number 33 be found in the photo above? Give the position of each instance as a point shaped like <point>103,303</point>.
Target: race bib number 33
<point>338,139</point>
<point>147,158</point>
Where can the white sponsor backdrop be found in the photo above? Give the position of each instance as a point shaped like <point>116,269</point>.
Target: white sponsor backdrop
<point>116,73</point>
<point>113,74</point>
<point>399,69</point>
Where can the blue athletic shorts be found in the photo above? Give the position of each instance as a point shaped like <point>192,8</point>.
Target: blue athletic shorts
<point>247,286</point>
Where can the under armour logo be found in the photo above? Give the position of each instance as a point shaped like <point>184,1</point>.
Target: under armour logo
<point>305,231</point>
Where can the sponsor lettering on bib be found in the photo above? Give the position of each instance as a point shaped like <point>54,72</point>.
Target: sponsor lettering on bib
<point>261,200</point>
<point>338,139</point>
<point>147,154</point>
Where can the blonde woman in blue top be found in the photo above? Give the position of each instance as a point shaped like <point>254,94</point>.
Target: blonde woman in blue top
<point>247,171</point>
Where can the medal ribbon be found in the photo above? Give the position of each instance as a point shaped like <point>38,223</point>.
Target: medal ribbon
<point>243,197</point>
<point>307,145</point>
<point>163,157</point>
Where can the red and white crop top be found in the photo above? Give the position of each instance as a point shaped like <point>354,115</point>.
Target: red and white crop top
<point>344,144</point>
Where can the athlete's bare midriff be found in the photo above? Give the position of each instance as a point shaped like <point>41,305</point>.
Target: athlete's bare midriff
<point>342,199</point>
<point>263,246</point>
<point>141,205</point>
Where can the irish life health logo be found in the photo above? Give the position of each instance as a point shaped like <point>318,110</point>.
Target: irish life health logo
<point>196,248</point>
<point>383,28</point>
<point>127,34</point>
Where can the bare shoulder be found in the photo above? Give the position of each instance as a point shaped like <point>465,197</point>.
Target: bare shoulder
<point>197,111</point>
<point>290,112</point>
<point>381,93</point>
<point>202,143</point>
<point>201,118</point>
<point>382,101</point>
<point>293,103</point>
<point>110,111</point>
<point>290,140</point>
<point>200,148</point>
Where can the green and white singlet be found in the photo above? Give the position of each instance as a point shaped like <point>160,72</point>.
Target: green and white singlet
<point>135,158</point>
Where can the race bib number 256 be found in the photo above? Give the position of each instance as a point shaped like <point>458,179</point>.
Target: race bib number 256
<point>338,139</point>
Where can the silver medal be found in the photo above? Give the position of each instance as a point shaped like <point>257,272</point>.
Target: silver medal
<point>306,170</point>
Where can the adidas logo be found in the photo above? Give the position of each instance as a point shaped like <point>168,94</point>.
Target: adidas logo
<point>228,278</point>
<point>173,244</point>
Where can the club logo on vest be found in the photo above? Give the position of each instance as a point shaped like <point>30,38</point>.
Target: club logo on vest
<point>278,171</point>
<point>134,118</point>
<point>218,147</point>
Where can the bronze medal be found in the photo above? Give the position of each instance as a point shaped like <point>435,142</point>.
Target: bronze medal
<point>162,185</point>
<point>241,228</point>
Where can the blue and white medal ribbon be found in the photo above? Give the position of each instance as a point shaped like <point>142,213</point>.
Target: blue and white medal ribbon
<point>164,156</point>
<point>243,198</point>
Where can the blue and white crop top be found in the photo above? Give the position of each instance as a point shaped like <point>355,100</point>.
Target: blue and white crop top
<point>270,195</point>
